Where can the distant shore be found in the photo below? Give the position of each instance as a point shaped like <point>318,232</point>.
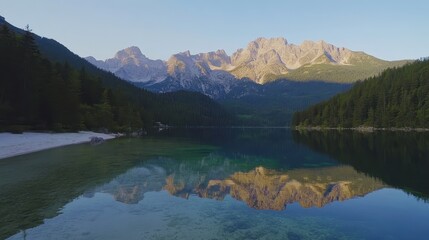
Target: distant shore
<point>28,142</point>
<point>364,129</point>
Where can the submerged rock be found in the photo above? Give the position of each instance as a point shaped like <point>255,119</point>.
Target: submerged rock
<point>96,140</point>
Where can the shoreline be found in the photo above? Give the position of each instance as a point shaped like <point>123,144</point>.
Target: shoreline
<point>28,142</point>
<point>364,129</point>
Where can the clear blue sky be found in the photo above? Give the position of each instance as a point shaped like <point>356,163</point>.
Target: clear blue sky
<point>388,29</point>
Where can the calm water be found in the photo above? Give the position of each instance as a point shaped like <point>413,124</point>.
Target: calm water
<point>222,184</point>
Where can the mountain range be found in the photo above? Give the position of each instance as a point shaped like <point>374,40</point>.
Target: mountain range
<point>264,60</point>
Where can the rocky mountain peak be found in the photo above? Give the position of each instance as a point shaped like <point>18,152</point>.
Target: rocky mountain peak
<point>186,53</point>
<point>131,64</point>
<point>221,52</point>
<point>187,66</point>
<point>216,60</point>
<point>259,48</point>
<point>130,52</point>
<point>91,59</point>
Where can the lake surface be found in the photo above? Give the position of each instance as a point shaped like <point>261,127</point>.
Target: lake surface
<point>222,184</point>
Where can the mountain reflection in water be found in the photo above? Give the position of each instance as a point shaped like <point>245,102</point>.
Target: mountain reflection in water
<point>260,188</point>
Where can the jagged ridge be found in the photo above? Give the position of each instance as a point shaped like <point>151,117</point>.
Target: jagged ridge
<point>263,60</point>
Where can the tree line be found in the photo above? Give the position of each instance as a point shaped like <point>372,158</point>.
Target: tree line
<point>398,97</point>
<point>38,94</point>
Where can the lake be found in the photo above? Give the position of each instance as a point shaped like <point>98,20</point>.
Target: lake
<point>222,184</point>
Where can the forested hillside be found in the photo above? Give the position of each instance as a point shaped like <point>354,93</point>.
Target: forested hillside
<point>274,103</point>
<point>398,97</point>
<point>36,93</point>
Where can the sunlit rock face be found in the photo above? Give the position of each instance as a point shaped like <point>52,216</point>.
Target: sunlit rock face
<point>263,60</point>
<point>267,57</point>
<point>260,60</point>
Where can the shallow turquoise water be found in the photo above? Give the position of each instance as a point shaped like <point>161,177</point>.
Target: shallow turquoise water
<point>221,184</point>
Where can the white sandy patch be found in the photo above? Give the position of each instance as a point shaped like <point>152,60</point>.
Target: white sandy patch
<point>17,144</point>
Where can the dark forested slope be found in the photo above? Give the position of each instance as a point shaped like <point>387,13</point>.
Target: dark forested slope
<point>398,97</point>
<point>45,86</point>
<point>274,103</point>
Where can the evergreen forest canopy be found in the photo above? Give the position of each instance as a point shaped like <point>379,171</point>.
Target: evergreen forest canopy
<point>38,94</point>
<point>397,98</point>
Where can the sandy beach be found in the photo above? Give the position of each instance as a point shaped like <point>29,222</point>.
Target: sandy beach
<point>18,144</point>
